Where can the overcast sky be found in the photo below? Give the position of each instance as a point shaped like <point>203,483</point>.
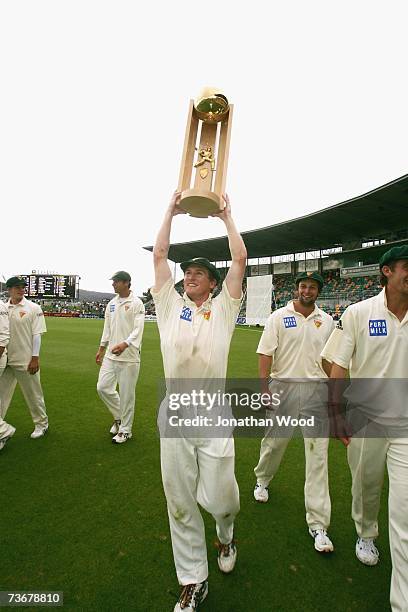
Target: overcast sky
<point>93,105</point>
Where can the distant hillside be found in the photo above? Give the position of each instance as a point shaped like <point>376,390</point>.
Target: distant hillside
<point>94,296</point>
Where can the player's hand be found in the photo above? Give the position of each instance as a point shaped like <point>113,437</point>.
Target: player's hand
<point>119,348</point>
<point>226,211</point>
<point>34,365</point>
<point>174,206</point>
<point>267,400</point>
<point>339,428</point>
<point>99,356</point>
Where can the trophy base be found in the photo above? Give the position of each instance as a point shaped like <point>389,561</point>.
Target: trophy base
<point>200,203</point>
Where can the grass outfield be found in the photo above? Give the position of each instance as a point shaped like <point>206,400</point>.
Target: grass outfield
<point>86,517</point>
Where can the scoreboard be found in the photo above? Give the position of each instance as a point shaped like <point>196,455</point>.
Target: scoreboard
<point>43,286</point>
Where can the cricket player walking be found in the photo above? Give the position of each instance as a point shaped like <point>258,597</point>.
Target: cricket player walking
<point>371,341</point>
<point>27,324</point>
<point>195,332</point>
<point>289,357</point>
<point>120,363</point>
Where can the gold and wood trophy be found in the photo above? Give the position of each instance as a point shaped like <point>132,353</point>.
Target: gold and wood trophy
<point>206,147</point>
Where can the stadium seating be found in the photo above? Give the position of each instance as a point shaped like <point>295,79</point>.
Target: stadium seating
<point>337,292</point>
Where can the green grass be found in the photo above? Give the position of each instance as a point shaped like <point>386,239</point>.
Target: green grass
<point>81,515</point>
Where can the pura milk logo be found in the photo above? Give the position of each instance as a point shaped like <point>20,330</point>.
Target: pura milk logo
<point>289,321</point>
<point>377,327</point>
<point>186,314</point>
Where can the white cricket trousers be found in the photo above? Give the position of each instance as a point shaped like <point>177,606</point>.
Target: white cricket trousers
<point>198,472</point>
<point>4,427</point>
<point>30,385</point>
<point>123,374</point>
<point>367,459</point>
<point>301,399</point>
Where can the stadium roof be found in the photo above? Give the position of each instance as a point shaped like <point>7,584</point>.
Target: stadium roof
<point>376,213</point>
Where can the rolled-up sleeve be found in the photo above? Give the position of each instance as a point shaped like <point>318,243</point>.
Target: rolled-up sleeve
<point>230,306</point>
<point>270,339</point>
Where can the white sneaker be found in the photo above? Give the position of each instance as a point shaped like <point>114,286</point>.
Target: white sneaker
<point>115,428</point>
<point>322,542</point>
<point>261,493</point>
<point>39,431</point>
<point>121,437</point>
<point>7,435</point>
<point>227,556</point>
<point>191,596</point>
<point>366,551</point>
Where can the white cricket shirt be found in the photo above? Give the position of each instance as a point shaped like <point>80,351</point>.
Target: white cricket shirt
<point>370,341</point>
<point>124,322</point>
<point>26,320</point>
<point>195,340</point>
<point>295,342</point>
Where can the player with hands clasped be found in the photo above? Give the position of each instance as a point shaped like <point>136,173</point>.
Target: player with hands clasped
<point>27,324</point>
<point>119,356</point>
<point>195,332</point>
<point>289,353</point>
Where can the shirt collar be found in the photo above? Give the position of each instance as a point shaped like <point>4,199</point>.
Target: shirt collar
<point>291,307</point>
<point>22,303</point>
<point>125,299</point>
<point>205,305</point>
<point>382,297</point>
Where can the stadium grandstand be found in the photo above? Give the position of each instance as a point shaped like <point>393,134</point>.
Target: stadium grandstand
<point>343,243</point>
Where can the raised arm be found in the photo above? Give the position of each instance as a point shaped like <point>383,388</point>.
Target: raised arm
<point>162,270</point>
<point>238,251</point>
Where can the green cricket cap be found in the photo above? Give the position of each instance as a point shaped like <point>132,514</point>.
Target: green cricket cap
<point>309,276</point>
<point>121,276</point>
<point>399,252</point>
<point>202,262</point>
<point>16,281</point>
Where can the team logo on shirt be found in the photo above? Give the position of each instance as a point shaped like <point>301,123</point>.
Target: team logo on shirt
<point>207,314</point>
<point>186,314</point>
<point>22,313</point>
<point>289,322</point>
<point>112,308</point>
<point>318,323</point>
<point>127,307</point>
<point>377,327</point>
